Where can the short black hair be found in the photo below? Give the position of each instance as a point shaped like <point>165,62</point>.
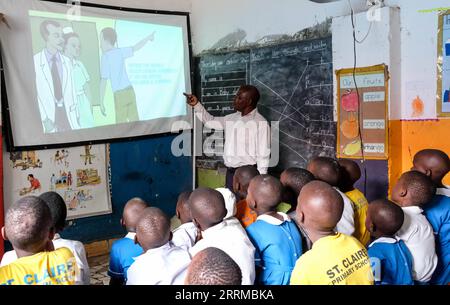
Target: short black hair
<point>28,223</point>
<point>387,216</point>
<point>45,24</point>
<point>420,185</point>
<point>327,170</point>
<point>58,209</point>
<point>254,92</point>
<point>110,35</point>
<point>297,178</point>
<point>213,266</point>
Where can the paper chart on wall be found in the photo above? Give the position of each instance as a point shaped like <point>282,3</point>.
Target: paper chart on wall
<point>78,174</point>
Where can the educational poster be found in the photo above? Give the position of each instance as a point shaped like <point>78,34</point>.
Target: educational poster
<point>362,113</point>
<point>443,71</point>
<point>78,174</point>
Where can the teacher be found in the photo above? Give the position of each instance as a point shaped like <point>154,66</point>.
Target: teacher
<point>247,132</point>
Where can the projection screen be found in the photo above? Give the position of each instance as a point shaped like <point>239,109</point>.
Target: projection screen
<point>75,74</point>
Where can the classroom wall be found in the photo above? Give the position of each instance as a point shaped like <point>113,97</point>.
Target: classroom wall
<point>212,20</point>
<point>409,134</point>
<point>144,168</point>
<point>413,53</point>
<point>166,5</point>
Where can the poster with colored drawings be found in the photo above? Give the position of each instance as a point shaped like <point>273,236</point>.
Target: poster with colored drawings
<point>362,113</point>
<point>443,70</point>
<point>78,174</point>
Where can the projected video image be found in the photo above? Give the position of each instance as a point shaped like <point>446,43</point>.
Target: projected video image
<point>96,71</point>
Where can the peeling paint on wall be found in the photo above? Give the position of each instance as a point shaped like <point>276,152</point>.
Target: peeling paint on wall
<point>236,40</point>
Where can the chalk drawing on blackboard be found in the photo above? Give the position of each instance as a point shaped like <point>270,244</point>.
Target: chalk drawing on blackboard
<point>295,82</point>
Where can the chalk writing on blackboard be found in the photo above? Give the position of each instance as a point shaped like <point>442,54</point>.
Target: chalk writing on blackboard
<point>296,87</point>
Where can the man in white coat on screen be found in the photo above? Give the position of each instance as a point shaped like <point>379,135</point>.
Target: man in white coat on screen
<point>55,91</point>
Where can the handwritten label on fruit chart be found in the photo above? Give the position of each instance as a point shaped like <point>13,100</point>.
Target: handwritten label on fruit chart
<point>362,113</point>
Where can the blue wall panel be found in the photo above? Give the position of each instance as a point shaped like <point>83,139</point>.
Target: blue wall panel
<point>143,168</point>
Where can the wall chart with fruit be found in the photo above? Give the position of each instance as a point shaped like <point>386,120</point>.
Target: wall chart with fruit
<point>362,112</point>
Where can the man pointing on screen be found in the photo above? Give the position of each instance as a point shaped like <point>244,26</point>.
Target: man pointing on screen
<point>247,132</point>
<point>113,68</point>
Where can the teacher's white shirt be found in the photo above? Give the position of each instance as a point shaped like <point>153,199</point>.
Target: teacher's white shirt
<point>247,138</point>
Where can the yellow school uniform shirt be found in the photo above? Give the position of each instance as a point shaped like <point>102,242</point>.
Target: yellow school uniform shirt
<point>44,268</point>
<point>334,260</point>
<point>360,206</point>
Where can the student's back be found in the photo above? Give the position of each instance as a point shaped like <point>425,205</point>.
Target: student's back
<point>278,246</point>
<point>125,250</point>
<point>437,213</point>
<point>392,262</point>
<point>29,228</point>
<point>122,255</point>
<point>45,268</point>
<point>360,205</point>
<point>334,260</point>
<point>233,241</point>
<point>83,275</point>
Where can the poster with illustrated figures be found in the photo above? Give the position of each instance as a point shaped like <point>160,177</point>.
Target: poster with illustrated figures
<point>78,174</point>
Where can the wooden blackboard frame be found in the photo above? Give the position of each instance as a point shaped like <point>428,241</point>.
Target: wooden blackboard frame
<point>377,69</point>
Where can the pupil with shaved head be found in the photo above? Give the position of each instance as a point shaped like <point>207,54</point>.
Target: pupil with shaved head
<point>208,212</point>
<point>29,228</point>
<point>412,192</point>
<point>349,174</point>
<point>335,258</point>
<point>213,266</point>
<point>391,259</point>
<point>436,164</point>
<point>162,263</point>
<point>124,250</point>
<point>58,212</point>
<point>328,170</point>
<point>293,180</point>
<point>241,181</point>
<point>275,237</point>
<point>186,234</point>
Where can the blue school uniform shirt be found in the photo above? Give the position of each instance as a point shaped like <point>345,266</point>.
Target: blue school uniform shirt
<point>438,214</point>
<point>122,255</point>
<point>278,246</point>
<point>391,262</point>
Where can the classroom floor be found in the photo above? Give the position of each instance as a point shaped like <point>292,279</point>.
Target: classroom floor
<point>99,267</point>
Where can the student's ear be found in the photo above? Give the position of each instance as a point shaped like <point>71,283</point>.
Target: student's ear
<point>300,216</point>
<point>428,172</point>
<point>372,228</point>
<point>403,192</point>
<point>197,225</point>
<point>177,213</point>
<point>51,233</point>
<point>4,234</point>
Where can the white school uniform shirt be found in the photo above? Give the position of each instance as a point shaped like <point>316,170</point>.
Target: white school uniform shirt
<point>346,224</point>
<point>83,277</point>
<point>417,233</point>
<point>166,265</point>
<point>445,191</point>
<point>243,146</point>
<point>185,235</point>
<point>233,241</point>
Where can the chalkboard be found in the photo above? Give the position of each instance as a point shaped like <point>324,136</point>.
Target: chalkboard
<point>295,80</point>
